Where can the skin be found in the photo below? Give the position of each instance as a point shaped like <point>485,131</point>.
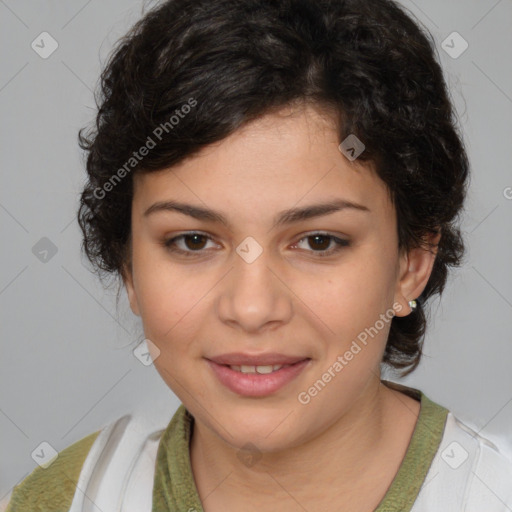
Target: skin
<point>346,444</point>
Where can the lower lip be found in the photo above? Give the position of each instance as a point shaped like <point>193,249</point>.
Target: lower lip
<point>256,384</point>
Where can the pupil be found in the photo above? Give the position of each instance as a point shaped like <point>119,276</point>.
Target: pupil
<point>194,237</point>
<point>325,238</point>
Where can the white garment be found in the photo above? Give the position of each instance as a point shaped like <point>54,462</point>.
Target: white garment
<point>468,474</point>
<point>118,473</point>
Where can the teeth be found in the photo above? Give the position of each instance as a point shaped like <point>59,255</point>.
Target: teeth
<point>263,369</point>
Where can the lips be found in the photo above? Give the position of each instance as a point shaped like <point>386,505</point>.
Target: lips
<point>266,359</point>
<point>256,375</point>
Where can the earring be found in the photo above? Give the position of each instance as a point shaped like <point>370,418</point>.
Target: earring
<point>413,305</point>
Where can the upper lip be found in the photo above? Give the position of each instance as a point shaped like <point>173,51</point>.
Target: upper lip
<point>269,358</point>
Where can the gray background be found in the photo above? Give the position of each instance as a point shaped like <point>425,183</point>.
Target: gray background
<point>66,364</point>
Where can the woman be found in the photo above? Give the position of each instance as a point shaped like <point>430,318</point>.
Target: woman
<point>277,185</point>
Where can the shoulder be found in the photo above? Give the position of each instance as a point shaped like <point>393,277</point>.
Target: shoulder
<point>469,472</point>
<point>95,466</point>
<point>52,487</point>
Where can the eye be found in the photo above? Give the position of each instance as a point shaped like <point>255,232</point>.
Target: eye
<point>320,242</point>
<point>194,242</point>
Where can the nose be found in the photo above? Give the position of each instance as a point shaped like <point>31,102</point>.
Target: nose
<point>253,297</point>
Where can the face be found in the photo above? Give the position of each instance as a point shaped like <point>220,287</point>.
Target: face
<point>264,288</point>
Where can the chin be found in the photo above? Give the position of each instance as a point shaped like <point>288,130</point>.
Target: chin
<point>269,428</point>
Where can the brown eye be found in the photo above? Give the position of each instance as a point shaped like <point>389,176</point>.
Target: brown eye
<point>190,243</point>
<point>320,244</point>
<point>195,241</point>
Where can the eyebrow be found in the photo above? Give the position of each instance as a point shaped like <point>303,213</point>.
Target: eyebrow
<point>284,217</point>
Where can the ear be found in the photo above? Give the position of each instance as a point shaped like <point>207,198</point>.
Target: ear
<point>127,275</point>
<point>415,268</point>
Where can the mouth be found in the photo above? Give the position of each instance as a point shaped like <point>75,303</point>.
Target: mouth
<point>257,380</point>
<point>262,370</point>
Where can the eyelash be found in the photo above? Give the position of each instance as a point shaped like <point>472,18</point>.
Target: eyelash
<point>340,244</point>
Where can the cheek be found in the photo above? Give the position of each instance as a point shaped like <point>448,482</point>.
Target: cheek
<point>172,306</point>
<point>358,294</point>
<point>167,295</point>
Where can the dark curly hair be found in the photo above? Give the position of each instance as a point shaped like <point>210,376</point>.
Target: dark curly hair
<point>232,61</point>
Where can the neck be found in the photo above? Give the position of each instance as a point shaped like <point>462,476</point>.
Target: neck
<point>337,460</point>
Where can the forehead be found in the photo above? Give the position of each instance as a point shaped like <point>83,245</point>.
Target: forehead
<point>286,158</point>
